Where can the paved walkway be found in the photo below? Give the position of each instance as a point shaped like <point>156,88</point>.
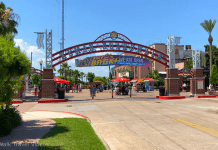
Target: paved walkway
<point>141,122</point>
<point>35,125</point>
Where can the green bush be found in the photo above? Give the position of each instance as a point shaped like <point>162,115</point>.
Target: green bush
<point>9,119</point>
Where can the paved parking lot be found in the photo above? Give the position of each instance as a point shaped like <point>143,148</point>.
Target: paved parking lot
<point>144,122</point>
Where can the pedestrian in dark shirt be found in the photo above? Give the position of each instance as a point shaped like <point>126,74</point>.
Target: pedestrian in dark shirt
<point>35,91</point>
<point>77,86</point>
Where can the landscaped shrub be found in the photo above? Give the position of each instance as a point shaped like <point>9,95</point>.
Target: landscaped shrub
<point>9,119</point>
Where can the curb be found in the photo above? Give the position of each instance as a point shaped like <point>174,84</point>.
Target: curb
<point>171,97</point>
<point>16,102</point>
<point>63,112</point>
<point>207,96</point>
<point>52,101</point>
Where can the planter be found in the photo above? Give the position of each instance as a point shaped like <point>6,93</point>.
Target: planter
<point>213,93</point>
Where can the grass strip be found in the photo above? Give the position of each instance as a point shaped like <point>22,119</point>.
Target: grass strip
<point>71,134</point>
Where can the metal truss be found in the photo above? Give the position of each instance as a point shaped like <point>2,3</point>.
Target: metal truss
<point>48,49</point>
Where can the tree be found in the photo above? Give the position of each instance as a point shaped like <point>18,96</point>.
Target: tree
<point>13,65</point>
<point>91,76</point>
<point>64,66</point>
<point>76,75</point>
<point>105,81</point>
<point>208,26</point>
<point>214,75</point>
<point>62,77</point>
<point>189,63</point>
<point>98,78</point>
<point>214,55</point>
<point>61,71</point>
<point>156,76</point>
<point>82,75</point>
<point>7,20</point>
<point>35,78</point>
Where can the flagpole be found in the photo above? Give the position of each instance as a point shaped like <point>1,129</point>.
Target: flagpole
<point>46,48</point>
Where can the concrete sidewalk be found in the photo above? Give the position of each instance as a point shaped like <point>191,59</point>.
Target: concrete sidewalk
<point>35,125</point>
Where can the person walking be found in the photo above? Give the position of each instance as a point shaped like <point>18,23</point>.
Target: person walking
<point>77,86</point>
<point>35,91</point>
<point>90,86</point>
<point>81,86</point>
<point>64,88</point>
<point>68,89</point>
<point>74,88</point>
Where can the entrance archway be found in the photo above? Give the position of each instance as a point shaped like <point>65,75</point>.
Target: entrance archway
<point>103,45</point>
<point>108,42</point>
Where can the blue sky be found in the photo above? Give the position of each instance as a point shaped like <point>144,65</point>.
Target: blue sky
<point>144,22</point>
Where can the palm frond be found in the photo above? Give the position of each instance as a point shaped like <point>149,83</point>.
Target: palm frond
<point>208,25</point>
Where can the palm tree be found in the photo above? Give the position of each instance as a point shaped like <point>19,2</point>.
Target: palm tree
<point>82,75</point>
<point>61,71</point>
<point>7,20</point>
<point>208,26</point>
<point>64,66</point>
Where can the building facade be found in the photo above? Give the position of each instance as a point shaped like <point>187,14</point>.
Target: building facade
<point>141,72</point>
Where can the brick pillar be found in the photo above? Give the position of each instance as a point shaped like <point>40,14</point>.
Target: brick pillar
<point>47,84</point>
<point>198,76</point>
<point>39,95</point>
<point>172,82</point>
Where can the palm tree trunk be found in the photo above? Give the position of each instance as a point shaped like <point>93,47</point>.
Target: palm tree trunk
<point>210,40</point>
<point>109,70</point>
<point>211,57</point>
<point>64,74</point>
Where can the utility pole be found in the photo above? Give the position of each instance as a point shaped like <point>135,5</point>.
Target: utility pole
<point>62,38</point>
<point>31,58</point>
<point>62,25</point>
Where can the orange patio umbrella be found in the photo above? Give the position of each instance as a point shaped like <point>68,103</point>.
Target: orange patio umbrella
<point>140,80</point>
<point>98,81</point>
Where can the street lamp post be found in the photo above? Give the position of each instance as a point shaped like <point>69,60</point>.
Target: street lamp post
<point>41,66</point>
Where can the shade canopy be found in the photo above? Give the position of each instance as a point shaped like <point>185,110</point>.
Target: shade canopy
<point>67,81</point>
<point>57,80</point>
<point>98,81</point>
<point>134,80</point>
<point>113,80</point>
<point>148,79</point>
<point>120,79</point>
<point>144,79</point>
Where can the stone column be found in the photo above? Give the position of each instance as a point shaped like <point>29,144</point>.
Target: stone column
<point>172,82</point>
<point>47,84</point>
<point>198,76</point>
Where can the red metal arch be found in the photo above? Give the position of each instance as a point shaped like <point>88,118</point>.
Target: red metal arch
<point>40,71</point>
<point>109,51</point>
<point>108,37</point>
<point>100,42</point>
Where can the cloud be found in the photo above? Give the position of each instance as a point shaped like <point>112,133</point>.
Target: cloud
<point>26,48</point>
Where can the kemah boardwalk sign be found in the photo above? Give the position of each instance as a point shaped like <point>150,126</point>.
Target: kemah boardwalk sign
<point>185,72</point>
<point>112,60</point>
<point>102,44</point>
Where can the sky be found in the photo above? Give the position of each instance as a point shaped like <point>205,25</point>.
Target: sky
<point>142,21</point>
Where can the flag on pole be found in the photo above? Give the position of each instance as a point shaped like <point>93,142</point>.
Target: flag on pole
<point>39,40</point>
